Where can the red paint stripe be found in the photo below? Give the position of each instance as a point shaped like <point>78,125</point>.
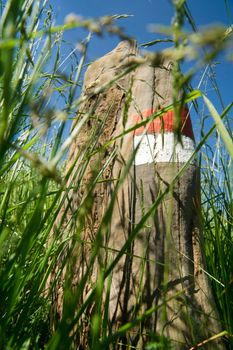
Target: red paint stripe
<point>164,123</point>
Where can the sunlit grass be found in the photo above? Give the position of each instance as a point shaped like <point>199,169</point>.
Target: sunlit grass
<point>37,98</point>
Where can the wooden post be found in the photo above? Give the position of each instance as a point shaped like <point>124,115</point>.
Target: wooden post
<point>163,267</point>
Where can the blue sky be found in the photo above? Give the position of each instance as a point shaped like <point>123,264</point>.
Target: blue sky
<point>145,12</point>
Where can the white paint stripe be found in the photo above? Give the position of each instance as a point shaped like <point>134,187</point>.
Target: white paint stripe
<point>162,148</point>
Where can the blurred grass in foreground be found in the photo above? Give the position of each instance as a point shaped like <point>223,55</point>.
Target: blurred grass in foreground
<point>37,98</point>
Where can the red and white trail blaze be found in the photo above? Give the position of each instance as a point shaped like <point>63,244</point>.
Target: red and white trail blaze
<point>157,142</point>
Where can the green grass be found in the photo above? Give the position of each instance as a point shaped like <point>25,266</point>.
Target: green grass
<point>33,183</point>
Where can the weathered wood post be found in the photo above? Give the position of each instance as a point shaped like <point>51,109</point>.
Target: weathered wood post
<point>166,257</point>
<point>163,266</point>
